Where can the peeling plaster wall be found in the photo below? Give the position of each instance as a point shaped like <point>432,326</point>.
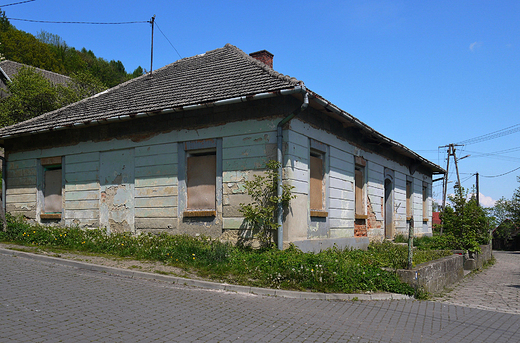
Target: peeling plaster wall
<point>245,146</point>
<point>340,222</point>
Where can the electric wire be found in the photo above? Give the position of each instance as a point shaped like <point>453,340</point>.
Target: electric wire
<point>492,135</point>
<point>17,3</point>
<point>167,39</point>
<point>509,172</point>
<point>80,22</point>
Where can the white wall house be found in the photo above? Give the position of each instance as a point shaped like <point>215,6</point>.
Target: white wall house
<point>171,151</point>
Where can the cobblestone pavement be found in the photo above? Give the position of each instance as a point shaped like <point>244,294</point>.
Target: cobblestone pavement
<point>45,302</point>
<point>496,288</point>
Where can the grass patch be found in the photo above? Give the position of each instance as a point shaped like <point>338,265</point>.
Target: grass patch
<point>333,270</point>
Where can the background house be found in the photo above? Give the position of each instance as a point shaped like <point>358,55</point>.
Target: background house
<point>8,70</point>
<point>170,151</point>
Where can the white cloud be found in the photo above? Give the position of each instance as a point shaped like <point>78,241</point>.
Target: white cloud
<point>486,201</point>
<point>475,45</point>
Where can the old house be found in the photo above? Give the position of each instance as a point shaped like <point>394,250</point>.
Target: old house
<point>171,150</point>
<point>8,69</point>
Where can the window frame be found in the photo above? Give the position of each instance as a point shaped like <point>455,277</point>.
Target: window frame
<point>44,165</point>
<point>190,149</point>
<point>319,151</point>
<point>360,166</point>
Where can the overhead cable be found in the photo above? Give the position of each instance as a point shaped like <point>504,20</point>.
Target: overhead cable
<point>509,172</point>
<point>80,22</point>
<point>167,39</point>
<point>492,135</point>
<point>17,3</point>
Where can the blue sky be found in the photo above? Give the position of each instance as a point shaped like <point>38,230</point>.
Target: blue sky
<point>423,73</point>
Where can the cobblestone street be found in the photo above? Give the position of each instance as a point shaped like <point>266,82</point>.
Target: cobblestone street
<point>496,288</point>
<point>48,302</point>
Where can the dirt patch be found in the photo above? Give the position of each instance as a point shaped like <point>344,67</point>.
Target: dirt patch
<point>116,262</point>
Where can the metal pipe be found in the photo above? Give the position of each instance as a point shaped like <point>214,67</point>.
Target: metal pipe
<point>279,158</point>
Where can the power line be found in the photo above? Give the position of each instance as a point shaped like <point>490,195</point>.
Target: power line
<point>17,3</point>
<point>492,135</point>
<point>168,40</point>
<point>509,172</point>
<point>80,22</point>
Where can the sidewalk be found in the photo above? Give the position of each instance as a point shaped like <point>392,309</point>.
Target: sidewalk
<point>496,288</point>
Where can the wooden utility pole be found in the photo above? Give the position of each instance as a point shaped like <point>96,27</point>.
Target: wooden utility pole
<point>451,152</point>
<point>152,21</point>
<point>478,190</point>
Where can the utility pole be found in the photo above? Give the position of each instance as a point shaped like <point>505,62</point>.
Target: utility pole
<point>451,152</point>
<point>478,190</point>
<point>152,21</point>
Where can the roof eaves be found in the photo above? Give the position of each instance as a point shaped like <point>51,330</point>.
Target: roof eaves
<point>333,108</point>
<point>124,117</point>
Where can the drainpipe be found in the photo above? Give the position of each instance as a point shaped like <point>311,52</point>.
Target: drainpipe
<point>279,137</point>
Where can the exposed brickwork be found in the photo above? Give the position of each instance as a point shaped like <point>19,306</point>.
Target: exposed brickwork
<point>263,56</point>
<point>360,228</point>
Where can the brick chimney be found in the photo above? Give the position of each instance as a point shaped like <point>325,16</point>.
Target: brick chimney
<point>263,56</point>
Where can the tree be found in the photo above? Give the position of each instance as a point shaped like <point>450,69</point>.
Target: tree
<point>466,221</point>
<point>31,94</point>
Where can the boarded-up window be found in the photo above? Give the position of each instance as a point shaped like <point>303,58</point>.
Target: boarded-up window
<point>316,187</point>
<point>359,179</point>
<point>52,190</point>
<point>409,202</point>
<point>52,185</point>
<point>425,201</point>
<point>201,180</point>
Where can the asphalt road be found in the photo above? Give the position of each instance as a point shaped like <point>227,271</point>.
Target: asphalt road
<point>48,302</point>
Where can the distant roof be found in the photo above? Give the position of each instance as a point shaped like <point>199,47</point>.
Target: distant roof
<point>211,78</point>
<point>10,69</point>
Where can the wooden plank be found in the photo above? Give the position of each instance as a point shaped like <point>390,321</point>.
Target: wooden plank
<point>156,170</point>
<point>156,160</point>
<point>156,181</point>
<point>82,214</point>
<point>170,201</point>
<point>81,195</point>
<point>22,172</point>
<point>164,212</point>
<point>85,177</point>
<point>246,140</point>
<point>81,167</point>
<point>14,191</point>
<point>244,164</point>
<point>17,182</point>
<point>82,205</point>
<point>159,149</point>
<point>161,191</point>
<point>87,186</point>
<point>81,158</point>
<point>22,198</point>
<point>28,163</point>
<point>249,151</point>
<point>50,161</point>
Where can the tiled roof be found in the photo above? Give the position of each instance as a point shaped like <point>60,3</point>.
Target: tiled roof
<point>10,68</point>
<point>216,75</point>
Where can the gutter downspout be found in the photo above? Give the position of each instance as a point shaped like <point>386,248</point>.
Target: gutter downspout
<point>279,137</point>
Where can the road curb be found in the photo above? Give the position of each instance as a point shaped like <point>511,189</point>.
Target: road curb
<point>206,284</point>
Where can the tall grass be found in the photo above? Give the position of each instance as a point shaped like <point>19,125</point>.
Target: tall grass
<point>333,270</point>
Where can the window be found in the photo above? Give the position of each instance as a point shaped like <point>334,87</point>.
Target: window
<point>359,181</point>
<point>51,188</point>
<point>201,181</point>
<point>425,201</point>
<point>317,179</point>
<point>409,200</point>
<point>201,185</point>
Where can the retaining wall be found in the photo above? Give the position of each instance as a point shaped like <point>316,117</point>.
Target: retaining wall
<point>433,276</point>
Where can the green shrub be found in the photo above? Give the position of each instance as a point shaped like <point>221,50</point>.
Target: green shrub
<point>332,270</point>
